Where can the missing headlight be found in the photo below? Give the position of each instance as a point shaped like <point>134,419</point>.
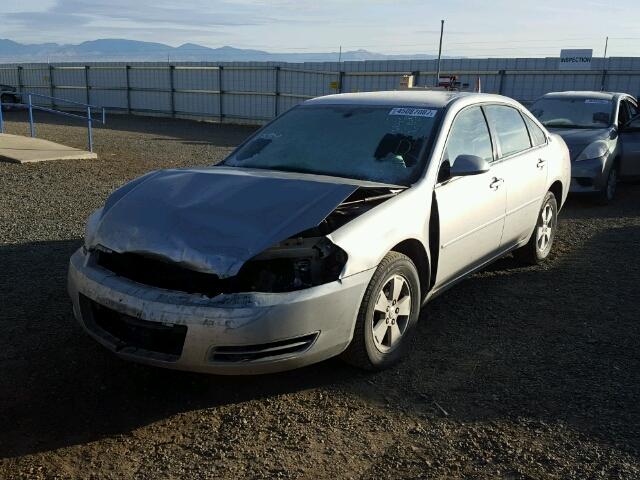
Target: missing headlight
<point>294,264</point>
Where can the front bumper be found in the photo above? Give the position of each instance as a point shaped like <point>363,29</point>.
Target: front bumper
<point>589,176</point>
<point>324,315</point>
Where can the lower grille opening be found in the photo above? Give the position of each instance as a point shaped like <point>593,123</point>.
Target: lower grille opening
<point>129,331</point>
<point>248,353</point>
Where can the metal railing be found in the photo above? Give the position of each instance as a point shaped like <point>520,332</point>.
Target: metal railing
<point>31,106</point>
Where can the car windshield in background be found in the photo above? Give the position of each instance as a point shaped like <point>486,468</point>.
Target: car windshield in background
<point>375,143</point>
<point>573,112</point>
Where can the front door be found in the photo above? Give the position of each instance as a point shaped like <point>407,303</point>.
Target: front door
<point>471,208</point>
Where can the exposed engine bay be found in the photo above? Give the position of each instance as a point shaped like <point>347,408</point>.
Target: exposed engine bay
<point>359,202</point>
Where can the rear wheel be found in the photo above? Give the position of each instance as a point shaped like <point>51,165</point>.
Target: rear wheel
<point>541,241</point>
<point>387,315</point>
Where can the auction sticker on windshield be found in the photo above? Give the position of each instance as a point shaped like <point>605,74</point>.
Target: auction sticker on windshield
<point>413,112</point>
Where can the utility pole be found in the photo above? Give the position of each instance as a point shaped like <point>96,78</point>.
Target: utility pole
<point>439,53</point>
<point>340,55</point>
<point>606,46</point>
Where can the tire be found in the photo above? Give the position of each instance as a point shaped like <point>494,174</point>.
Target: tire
<point>537,248</point>
<point>608,192</point>
<point>377,348</point>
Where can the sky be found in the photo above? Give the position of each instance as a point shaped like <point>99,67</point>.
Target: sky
<point>490,28</point>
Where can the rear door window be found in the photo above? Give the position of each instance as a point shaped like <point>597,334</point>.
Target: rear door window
<point>509,127</point>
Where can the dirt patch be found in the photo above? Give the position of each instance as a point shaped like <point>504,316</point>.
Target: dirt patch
<point>517,373</point>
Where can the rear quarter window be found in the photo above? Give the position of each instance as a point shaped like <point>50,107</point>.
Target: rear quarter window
<point>538,137</point>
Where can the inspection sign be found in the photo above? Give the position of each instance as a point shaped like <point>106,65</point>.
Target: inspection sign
<point>575,59</point>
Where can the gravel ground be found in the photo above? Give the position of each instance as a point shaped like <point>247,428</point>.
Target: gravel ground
<point>517,373</point>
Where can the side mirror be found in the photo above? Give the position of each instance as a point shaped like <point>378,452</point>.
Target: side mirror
<point>466,165</point>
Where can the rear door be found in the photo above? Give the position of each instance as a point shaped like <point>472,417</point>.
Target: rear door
<point>630,143</point>
<point>521,153</point>
<point>471,208</point>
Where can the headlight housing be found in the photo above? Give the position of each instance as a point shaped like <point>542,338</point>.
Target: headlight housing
<point>597,149</point>
<point>294,264</point>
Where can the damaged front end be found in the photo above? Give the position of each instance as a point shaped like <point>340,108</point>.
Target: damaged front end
<point>303,261</point>
<point>294,264</point>
<point>173,231</point>
<point>222,272</point>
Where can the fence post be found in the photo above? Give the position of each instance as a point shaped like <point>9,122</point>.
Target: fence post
<point>90,132</point>
<point>32,127</point>
<point>20,82</point>
<point>502,74</point>
<point>276,90</point>
<point>221,91</point>
<point>126,69</point>
<point>51,87</point>
<point>1,119</point>
<point>172,69</point>
<point>86,83</point>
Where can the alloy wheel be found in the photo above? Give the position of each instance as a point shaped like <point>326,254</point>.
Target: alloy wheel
<point>391,313</point>
<point>545,229</point>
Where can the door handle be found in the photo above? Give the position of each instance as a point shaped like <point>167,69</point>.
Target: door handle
<point>541,162</point>
<point>495,184</point>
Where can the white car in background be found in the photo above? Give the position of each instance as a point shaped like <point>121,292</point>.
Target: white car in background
<point>324,233</point>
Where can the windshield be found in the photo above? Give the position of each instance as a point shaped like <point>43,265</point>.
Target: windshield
<point>374,143</point>
<point>573,112</point>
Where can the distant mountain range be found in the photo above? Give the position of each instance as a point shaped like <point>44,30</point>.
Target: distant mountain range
<point>120,50</point>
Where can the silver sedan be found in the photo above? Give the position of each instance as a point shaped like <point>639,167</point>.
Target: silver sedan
<point>325,233</point>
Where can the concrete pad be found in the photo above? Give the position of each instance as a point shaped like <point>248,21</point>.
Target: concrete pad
<point>18,149</point>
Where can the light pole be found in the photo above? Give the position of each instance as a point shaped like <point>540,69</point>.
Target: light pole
<point>439,53</point>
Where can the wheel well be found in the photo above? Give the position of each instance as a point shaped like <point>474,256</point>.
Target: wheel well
<point>556,189</point>
<point>616,161</point>
<point>414,249</point>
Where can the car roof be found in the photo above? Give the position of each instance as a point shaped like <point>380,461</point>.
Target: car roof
<point>405,98</point>
<point>586,95</point>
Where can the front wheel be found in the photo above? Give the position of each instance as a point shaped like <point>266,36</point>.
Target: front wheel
<point>608,192</point>
<point>541,241</point>
<point>387,315</point>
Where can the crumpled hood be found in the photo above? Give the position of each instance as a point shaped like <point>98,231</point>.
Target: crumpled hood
<point>212,220</point>
<point>577,139</point>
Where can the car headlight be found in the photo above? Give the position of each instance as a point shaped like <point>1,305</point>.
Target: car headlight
<point>597,149</point>
<point>91,227</point>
